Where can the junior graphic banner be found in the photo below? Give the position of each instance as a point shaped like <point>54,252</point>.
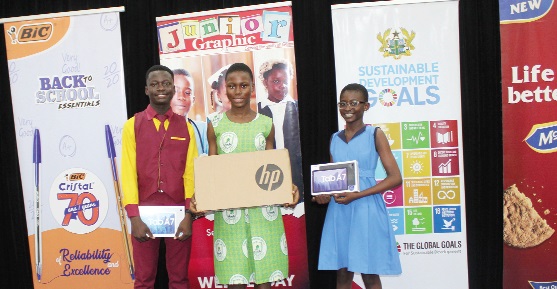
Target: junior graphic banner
<point>529,100</point>
<point>69,104</point>
<point>406,53</point>
<point>200,47</point>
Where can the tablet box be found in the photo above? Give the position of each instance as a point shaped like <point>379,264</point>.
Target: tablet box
<point>333,178</point>
<point>243,180</point>
<point>163,221</point>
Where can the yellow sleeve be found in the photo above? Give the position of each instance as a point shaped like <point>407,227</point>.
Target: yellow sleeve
<point>129,166</point>
<point>188,172</point>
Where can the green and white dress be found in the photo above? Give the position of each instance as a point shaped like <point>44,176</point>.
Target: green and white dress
<point>249,245</point>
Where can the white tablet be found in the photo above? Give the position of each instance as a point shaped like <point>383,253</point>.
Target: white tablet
<point>163,221</point>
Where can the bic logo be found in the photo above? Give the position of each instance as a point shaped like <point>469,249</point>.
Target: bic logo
<point>77,177</point>
<point>38,32</point>
<point>269,177</point>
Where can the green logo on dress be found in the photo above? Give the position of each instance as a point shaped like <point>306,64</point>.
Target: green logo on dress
<point>220,250</point>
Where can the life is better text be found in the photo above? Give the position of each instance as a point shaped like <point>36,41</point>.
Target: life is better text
<point>540,91</point>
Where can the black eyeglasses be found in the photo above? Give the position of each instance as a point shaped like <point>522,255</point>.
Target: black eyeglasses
<point>352,103</point>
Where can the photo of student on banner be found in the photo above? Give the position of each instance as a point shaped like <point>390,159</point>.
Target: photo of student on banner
<point>216,66</point>
<point>192,65</point>
<point>276,75</point>
<point>183,101</point>
<point>219,101</point>
<point>187,100</point>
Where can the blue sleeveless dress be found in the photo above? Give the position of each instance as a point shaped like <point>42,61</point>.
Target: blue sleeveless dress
<point>358,236</point>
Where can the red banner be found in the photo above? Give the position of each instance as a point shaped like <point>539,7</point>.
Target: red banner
<point>529,102</point>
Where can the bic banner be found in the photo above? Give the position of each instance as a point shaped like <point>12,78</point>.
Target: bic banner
<point>200,47</point>
<point>69,105</point>
<point>529,99</point>
<point>406,53</point>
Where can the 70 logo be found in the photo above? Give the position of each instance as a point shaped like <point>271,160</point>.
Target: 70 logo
<point>76,208</point>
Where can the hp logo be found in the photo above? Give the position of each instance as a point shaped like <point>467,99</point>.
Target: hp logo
<point>269,177</point>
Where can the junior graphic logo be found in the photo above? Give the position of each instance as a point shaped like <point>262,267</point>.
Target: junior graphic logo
<point>258,29</point>
<point>394,45</point>
<point>30,33</point>
<point>78,201</point>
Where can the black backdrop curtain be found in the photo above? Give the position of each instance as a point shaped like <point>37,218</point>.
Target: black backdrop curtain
<point>481,114</point>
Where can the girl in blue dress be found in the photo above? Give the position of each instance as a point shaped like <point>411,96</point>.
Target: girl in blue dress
<point>357,234</point>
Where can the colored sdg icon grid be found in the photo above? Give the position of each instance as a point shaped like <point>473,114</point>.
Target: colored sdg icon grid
<point>380,172</point>
<point>417,192</point>
<point>396,217</point>
<point>416,163</point>
<point>446,190</point>
<point>445,162</point>
<point>393,197</point>
<point>418,220</point>
<point>415,135</point>
<point>392,132</point>
<point>444,133</point>
<point>447,219</point>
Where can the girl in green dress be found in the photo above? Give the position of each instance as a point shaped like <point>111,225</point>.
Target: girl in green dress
<point>249,244</point>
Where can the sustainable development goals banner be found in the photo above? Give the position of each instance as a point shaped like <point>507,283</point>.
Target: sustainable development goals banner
<point>406,53</point>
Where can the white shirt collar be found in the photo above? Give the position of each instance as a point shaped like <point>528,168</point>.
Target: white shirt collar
<point>266,102</point>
